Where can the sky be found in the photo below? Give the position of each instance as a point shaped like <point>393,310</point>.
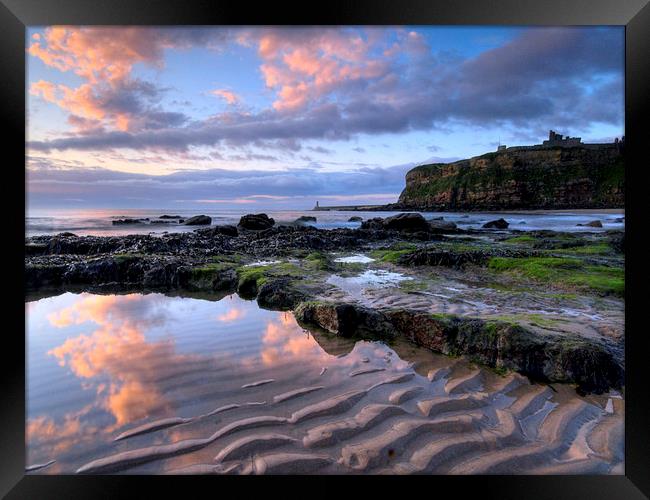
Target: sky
<point>279,117</point>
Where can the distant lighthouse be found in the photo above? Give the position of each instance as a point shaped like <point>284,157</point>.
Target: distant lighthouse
<point>317,207</point>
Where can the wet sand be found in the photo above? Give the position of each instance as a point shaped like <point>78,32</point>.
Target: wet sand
<point>454,419</point>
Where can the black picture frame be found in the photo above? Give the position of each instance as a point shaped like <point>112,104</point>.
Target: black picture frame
<point>16,15</point>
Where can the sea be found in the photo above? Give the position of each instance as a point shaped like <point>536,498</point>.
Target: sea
<point>99,222</point>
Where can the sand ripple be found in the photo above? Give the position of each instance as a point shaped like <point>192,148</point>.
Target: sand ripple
<point>454,420</point>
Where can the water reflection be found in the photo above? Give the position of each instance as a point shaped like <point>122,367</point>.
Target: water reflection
<point>180,379</point>
<point>284,339</point>
<point>118,352</point>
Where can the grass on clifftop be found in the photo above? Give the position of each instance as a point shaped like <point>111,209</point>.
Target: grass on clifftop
<point>564,271</point>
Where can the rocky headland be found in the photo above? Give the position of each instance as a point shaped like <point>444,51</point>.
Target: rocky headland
<point>521,178</point>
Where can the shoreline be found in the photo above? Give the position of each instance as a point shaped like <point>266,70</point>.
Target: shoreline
<point>151,221</point>
<point>532,211</point>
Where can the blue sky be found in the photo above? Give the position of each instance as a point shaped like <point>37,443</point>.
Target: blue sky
<point>275,117</point>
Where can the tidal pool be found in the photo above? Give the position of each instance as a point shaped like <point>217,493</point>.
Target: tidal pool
<point>355,259</point>
<point>356,286</point>
<point>159,384</point>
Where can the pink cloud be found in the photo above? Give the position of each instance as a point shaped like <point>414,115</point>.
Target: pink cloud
<point>229,96</point>
<point>239,201</point>
<point>82,102</point>
<point>104,57</point>
<point>303,66</point>
<point>97,53</point>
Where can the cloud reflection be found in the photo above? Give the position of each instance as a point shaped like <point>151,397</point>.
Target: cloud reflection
<point>119,352</point>
<point>124,352</point>
<point>233,314</point>
<point>284,341</point>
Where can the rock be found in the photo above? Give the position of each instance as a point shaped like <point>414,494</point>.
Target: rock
<point>123,269</point>
<point>556,244</point>
<point>619,219</point>
<point>256,222</point>
<point>593,223</point>
<point>198,220</point>
<point>496,224</point>
<point>207,279</point>
<point>416,225</point>
<point>566,359</point>
<point>440,224</point>
<point>279,295</point>
<point>410,222</point>
<point>216,231</point>
<point>376,224</point>
<point>443,258</point>
<point>617,242</point>
<point>120,222</point>
<point>549,358</point>
<point>170,217</point>
<point>247,289</point>
<point>227,229</point>
<point>161,222</point>
<point>347,320</point>
<point>67,235</point>
<point>406,222</point>
<point>355,218</point>
<point>37,276</point>
<point>159,276</point>
<point>35,249</point>
<point>450,258</point>
<point>305,218</point>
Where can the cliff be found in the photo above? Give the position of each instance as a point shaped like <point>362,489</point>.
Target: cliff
<point>534,177</point>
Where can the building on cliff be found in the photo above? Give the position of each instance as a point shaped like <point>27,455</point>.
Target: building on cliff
<point>555,139</point>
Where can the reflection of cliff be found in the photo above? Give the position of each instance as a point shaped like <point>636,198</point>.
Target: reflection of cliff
<point>333,345</point>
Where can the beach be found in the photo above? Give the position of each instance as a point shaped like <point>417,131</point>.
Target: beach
<point>401,345</point>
